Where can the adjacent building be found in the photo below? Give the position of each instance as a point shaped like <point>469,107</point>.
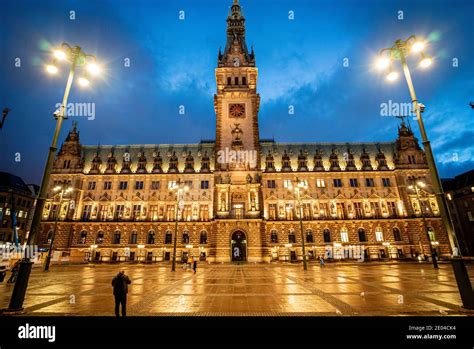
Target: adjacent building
<point>16,208</point>
<point>240,197</point>
<point>460,193</point>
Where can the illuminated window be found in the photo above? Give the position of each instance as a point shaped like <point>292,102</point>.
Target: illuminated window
<point>431,234</point>
<point>320,183</point>
<point>344,236</point>
<point>378,235</point>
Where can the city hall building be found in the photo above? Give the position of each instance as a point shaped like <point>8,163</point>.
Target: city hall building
<point>240,197</point>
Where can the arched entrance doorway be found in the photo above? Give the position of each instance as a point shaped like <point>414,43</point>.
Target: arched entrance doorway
<point>238,247</point>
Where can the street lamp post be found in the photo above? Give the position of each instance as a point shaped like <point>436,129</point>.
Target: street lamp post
<point>62,190</point>
<point>399,51</point>
<point>180,189</point>
<point>416,189</point>
<point>297,185</point>
<point>76,57</point>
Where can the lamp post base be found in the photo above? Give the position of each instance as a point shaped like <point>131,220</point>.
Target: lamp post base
<point>21,284</point>
<point>47,262</point>
<point>464,284</point>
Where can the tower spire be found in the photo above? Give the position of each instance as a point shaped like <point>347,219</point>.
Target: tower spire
<point>236,46</point>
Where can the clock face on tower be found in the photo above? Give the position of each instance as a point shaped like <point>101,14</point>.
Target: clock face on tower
<point>237,110</point>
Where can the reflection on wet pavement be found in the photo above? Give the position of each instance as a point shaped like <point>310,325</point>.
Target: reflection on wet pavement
<point>344,289</point>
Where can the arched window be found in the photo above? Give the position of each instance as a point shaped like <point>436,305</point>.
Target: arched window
<point>309,236</point>
<point>49,236</point>
<point>203,238</point>
<point>229,81</point>
<point>236,80</point>
<point>397,236</point>
<point>244,81</point>
<point>151,237</point>
<point>100,237</point>
<point>116,239</point>
<point>274,236</point>
<point>327,235</point>
<point>185,237</point>
<point>83,237</point>
<point>133,238</point>
<point>291,237</point>
<point>362,235</point>
<point>431,234</point>
<point>168,237</point>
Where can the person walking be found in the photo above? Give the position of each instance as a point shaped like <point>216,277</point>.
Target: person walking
<point>195,265</point>
<point>120,284</point>
<point>321,261</point>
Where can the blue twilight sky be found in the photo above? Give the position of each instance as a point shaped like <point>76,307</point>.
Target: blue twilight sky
<point>172,61</point>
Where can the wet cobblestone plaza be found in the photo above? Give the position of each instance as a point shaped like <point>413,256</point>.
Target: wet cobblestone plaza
<point>275,289</point>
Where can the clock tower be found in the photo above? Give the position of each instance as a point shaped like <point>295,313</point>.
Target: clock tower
<point>236,102</point>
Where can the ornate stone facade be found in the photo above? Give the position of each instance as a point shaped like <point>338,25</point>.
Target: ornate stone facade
<point>245,193</point>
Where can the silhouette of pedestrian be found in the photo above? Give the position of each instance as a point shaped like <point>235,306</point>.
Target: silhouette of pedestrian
<point>195,265</point>
<point>120,284</point>
<point>321,261</point>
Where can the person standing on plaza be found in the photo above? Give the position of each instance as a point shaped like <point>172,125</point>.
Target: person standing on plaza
<point>195,265</point>
<point>120,284</point>
<point>321,261</point>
